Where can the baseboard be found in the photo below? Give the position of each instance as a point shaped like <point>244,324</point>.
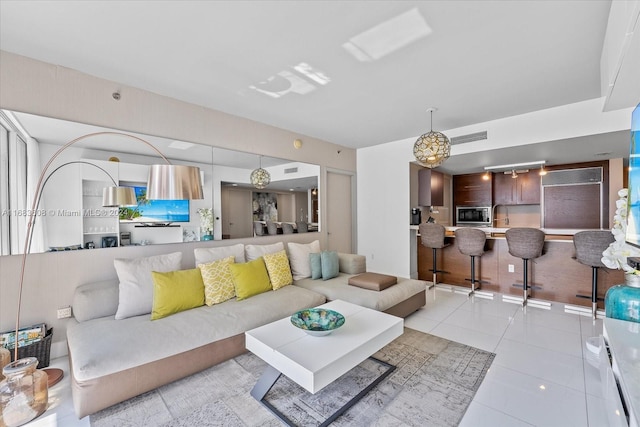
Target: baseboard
<point>483,294</point>
<point>583,311</point>
<point>59,349</point>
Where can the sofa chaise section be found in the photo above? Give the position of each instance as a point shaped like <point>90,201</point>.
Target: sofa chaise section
<point>401,299</point>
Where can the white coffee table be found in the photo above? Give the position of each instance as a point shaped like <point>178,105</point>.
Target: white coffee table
<point>314,362</point>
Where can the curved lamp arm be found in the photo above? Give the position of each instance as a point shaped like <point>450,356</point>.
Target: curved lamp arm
<point>38,193</point>
<point>38,196</point>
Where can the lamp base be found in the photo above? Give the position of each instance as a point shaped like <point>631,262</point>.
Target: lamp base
<point>54,376</point>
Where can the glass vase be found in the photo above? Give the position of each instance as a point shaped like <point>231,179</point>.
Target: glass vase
<point>23,393</point>
<point>5,359</point>
<point>623,301</point>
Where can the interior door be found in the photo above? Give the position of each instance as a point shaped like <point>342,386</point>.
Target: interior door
<point>236,214</point>
<point>340,191</point>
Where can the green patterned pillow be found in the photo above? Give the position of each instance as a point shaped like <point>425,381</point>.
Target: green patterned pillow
<point>218,281</point>
<point>278,269</point>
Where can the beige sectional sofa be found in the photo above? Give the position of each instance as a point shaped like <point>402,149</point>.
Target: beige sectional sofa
<point>113,360</point>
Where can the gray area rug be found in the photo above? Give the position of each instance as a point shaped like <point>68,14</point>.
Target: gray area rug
<point>433,384</point>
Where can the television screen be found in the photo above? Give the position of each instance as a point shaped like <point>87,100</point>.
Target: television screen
<point>155,211</point>
<point>633,201</point>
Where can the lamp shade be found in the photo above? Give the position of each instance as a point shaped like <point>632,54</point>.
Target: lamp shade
<point>174,182</point>
<point>113,197</point>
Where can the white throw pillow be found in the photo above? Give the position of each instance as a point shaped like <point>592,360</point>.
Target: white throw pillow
<point>136,285</point>
<point>256,251</point>
<point>299,258</point>
<point>207,255</point>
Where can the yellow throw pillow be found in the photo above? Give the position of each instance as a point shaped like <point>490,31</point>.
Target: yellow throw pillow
<point>176,291</point>
<point>250,278</point>
<point>218,281</point>
<point>278,269</point>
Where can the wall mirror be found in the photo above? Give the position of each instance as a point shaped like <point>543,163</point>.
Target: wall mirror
<point>71,216</point>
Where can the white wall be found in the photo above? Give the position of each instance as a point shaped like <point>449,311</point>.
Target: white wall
<point>383,207</point>
<point>40,88</point>
<point>383,173</point>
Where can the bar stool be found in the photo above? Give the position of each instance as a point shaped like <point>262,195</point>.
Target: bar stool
<point>525,243</point>
<point>272,228</point>
<point>470,241</point>
<point>287,228</point>
<point>258,228</point>
<point>589,247</point>
<point>432,236</point>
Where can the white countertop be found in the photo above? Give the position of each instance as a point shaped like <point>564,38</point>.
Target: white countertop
<point>489,230</point>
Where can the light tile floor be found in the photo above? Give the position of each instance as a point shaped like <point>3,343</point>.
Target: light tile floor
<point>539,377</point>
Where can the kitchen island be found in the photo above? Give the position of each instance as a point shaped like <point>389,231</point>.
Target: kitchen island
<point>559,276</point>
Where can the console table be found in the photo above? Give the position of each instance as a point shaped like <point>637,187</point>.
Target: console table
<point>620,371</point>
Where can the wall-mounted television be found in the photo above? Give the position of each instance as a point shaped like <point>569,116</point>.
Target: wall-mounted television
<point>633,200</point>
<point>155,211</point>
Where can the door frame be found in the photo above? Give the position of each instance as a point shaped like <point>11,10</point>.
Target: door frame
<point>354,206</point>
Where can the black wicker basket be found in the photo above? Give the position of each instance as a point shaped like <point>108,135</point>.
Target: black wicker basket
<point>41,350</point>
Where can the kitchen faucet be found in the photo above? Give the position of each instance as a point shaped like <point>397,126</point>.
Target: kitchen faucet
<point>505,219</point>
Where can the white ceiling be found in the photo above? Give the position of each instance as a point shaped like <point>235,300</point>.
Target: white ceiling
<point>474,60</point>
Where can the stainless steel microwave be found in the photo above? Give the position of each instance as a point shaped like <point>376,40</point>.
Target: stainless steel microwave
<point>473,215</point>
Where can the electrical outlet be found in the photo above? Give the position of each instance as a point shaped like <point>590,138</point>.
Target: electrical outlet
<point>64,312</point>
<point>512,268</point>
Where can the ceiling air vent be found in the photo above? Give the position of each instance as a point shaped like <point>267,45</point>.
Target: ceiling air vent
<point>478,136</point>
<point>291,170</point>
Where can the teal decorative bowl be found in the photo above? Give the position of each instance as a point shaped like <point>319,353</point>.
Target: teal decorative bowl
<point>317,321</point>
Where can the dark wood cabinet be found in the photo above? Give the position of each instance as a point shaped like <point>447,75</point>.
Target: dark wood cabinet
<point>430,188</point>
<point>573,206</point>
<point>471,190</point>
<point>523,190</point>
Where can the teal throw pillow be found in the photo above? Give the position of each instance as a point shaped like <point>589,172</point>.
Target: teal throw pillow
<point>316,266</point>
<point>330,264</point>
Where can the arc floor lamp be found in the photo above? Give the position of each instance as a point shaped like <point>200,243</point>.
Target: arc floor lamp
<point>165,182</point>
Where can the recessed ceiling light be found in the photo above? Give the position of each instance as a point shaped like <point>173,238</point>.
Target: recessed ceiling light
<point>311,73</point>
<point>388,36</point>
<point>603,153</point>
<point>181,145</point>
<point>287,81</point>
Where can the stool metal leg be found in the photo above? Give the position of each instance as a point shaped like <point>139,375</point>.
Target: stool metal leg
<point>473,274</point>
<point>594,291</point>
<point>435,266</point>
<point>525,285</point>
<point>475,282</point>
<point>435,269</point>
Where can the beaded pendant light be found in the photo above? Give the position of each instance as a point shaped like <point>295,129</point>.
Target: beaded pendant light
<point>432,148</point>
<point>260,178</point>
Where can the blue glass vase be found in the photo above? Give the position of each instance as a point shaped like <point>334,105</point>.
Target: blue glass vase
<point>623,301</point>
